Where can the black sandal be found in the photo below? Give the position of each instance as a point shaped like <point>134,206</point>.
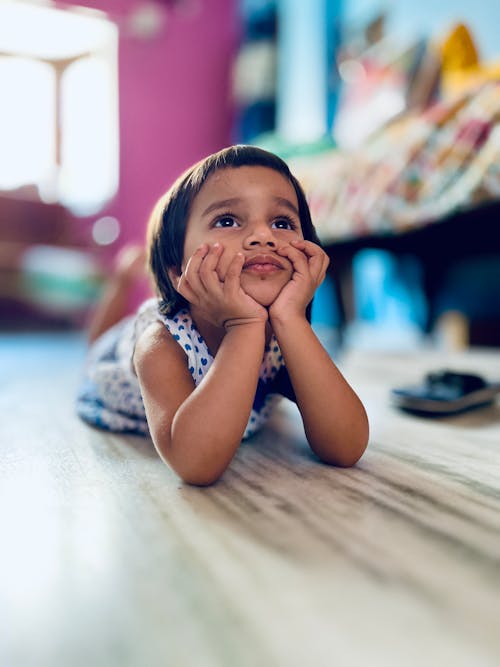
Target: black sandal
<point>445,392</point>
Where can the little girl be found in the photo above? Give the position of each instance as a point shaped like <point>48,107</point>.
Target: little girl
<point>235,261</point>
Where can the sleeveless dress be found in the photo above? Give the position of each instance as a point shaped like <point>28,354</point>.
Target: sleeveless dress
<point>109,396</point>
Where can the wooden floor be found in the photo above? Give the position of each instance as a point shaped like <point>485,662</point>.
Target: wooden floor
<point>108,560</point>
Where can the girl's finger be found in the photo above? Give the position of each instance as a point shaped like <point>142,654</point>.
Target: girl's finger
<point>319,264</point>
<point>233,274</point>
<point>191,291</point>
<point>322,272</point>
<point>326,263</point>
<point>223,263</point>
<point>208,268</point>
<point>296,256</point>
<point>185,290</point>
<point>197,257</point>
<point>317,258</point>
<point>191,272</point>
<point>308,247</point>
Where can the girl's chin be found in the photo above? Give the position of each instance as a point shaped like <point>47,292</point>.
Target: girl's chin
<point>265,295</point>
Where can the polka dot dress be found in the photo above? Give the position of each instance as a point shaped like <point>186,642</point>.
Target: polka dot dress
<point>110,397</point>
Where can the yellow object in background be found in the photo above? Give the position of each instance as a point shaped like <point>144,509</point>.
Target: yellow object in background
<point>458,51</point>
<point>461,68</point>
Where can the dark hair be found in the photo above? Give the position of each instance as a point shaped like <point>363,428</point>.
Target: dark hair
<point>168,221</point>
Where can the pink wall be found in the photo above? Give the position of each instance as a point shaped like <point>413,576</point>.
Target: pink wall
<point>174,101</point>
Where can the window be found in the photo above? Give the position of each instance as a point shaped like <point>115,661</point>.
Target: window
<point>59,104</point>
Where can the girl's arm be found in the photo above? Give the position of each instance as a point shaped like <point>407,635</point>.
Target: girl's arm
<point>197,430</point>
<point>334,418</point>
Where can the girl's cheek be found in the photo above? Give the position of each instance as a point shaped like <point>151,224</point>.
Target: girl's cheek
<point>297,233</point>
<point>291,235</point>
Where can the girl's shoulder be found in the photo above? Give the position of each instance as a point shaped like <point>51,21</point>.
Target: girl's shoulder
<point>174,334</point>
<point>154,337</point>
<point>149,314</point>
<point>152,325</point>
<point>150,322</point>
<point>154,341</point>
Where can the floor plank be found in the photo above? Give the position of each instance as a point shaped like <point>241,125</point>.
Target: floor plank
<point>107,559</point>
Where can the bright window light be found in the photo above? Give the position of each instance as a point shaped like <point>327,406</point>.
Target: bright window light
<point>27,128</point>
<point>59,111</point>
<point>88,156</point>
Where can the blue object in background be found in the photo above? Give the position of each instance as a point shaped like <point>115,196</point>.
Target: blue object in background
<point>325,309</point>
<point>308,80</point>
<point>387,290</point>
<point>325,318</point>
<point>472,287</point>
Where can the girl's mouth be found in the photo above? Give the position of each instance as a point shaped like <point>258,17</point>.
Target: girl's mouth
<point>263,264</point>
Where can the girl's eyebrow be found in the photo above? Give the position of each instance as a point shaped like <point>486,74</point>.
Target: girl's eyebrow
<point>223,203</point>
<point>287,204</point>
<point>227,203</point>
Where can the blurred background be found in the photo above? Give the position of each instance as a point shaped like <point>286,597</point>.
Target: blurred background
<point>386,111</point>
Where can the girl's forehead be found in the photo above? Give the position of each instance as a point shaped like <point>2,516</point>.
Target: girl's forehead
<point>247,182</point>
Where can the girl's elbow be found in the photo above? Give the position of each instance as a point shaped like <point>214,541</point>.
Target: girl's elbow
<point>357,444</point>
<point>340,460</point>
<point>345,455</point>
<point>357,450</point>
<point>180,458</point>
<point>195,471</point>
<point>349,459</point>
<point>199,478</point>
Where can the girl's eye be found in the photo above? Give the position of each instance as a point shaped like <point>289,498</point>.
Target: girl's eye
<point>226,221</point>
<point>284,223</point>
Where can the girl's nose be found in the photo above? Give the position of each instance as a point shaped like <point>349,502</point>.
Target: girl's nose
<point>260,235</point>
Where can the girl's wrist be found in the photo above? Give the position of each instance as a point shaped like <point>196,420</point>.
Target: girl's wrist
<point>282,321</point>
<point>246,322</point>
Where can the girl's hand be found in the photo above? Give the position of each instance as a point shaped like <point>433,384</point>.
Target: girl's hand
<point>220,298</point>
<point>309,269</point>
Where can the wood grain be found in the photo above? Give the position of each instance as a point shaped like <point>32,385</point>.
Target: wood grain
<point>108,559</point>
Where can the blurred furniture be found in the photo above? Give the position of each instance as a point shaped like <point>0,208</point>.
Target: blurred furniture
<point>440,248</point>
<point>108,560</point>
<point>426,185</point>
<point>47,270</point>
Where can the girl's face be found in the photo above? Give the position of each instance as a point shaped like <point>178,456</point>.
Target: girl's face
<point>252,210</point>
